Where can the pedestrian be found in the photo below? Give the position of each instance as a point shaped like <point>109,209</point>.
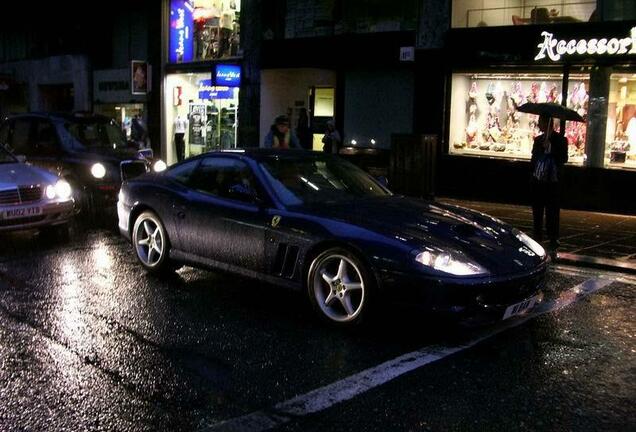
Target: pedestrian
<point>138,132</point>
<point>331,140</point>
<point>303,131</point>
<point>549,154</point>
<point>280,135</point>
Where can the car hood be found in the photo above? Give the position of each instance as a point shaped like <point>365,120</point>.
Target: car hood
<point>425,224</point>
<point>17,174</point>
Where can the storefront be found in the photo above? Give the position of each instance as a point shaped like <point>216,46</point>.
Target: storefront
<point>112,97</point>
<point>202,77</point>
<point>589,67</point>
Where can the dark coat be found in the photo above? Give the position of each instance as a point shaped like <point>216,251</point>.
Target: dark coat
<point>559,151</point>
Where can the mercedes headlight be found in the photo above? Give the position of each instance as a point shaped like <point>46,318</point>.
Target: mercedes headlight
<point>450,263</point>
<point>61,190</point>
<point>528,241</point>
<point>98,170</point>
<point>159,166</point>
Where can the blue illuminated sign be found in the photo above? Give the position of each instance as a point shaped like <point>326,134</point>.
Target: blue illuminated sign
<point>181,28</point>
<point>228,75</point>
<point>207,91</point>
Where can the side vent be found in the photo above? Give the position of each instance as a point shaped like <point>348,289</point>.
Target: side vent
<point>286,260</point>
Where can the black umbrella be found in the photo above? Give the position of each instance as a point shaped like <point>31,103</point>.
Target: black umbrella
<point>551,110</point>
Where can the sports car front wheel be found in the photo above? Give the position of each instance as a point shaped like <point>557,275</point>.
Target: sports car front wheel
<point>151,242</point>
<point>339,286</point>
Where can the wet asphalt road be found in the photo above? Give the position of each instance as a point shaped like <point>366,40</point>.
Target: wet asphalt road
<point>88,341</point>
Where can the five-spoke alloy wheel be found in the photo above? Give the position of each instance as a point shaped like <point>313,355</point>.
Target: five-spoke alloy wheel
<point>150,242</point>
<point>338,287</point>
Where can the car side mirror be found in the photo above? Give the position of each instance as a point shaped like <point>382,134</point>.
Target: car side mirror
<point>383,181</point>
<point>21,158</point>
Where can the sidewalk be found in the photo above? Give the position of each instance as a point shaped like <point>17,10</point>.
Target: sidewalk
<point>587,238</point>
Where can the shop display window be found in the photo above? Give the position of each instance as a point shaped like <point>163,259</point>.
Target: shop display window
<point>485,122</point>
<point>202,30</point>
<point>620,138</point>
<point>488,13</point>
<point>201,117</point>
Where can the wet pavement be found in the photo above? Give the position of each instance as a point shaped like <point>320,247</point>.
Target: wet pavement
<point>88,341</point>
<point>586,237</point>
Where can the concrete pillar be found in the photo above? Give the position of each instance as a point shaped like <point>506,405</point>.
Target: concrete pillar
<point>597,116</point>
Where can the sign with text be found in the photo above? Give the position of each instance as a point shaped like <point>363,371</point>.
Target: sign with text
<point>227,75</point>
<point>554,48</point>
<point>181,31</point>
<point>208,91</point>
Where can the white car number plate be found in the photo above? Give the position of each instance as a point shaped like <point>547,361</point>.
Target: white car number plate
<point>21,212</point>
<point>520,308</point>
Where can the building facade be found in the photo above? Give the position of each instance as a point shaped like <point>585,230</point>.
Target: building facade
<point>501,54</point>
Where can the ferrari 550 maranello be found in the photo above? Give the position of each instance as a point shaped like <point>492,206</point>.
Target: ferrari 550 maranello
<point>317,223</point>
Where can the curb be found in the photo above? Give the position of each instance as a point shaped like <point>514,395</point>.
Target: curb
<point>595,262</point>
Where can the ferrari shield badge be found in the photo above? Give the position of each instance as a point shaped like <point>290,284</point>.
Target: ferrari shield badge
<point>275,221</point>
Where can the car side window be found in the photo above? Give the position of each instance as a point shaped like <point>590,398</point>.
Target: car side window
<point>182,172</point>
<point>45,138</point>
<point>19,138</point>
<point>226,178</point>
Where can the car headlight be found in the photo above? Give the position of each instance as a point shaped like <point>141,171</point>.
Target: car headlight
<point>98,170</point>
<point>528,241</point>
<point>450,263</point>
<point>159,166</point>
<point>61,190</point>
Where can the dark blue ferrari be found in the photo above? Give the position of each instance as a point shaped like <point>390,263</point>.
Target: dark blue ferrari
<point>317,223</point>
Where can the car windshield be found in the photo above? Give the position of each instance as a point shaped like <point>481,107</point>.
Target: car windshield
<point>6,157</point>
<point>95,133</point>
<point>318,179</point>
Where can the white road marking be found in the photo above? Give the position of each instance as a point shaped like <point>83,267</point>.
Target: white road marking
<point>354,385</point>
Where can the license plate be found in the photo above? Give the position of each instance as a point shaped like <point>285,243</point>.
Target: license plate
<point>521,307</point>
<point>22,212</point>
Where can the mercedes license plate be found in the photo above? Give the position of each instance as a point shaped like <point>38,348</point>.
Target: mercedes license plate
<point>23,212</point>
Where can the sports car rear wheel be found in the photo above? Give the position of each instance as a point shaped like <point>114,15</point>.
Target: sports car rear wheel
<point>338,287</point>
<point>151,242</point>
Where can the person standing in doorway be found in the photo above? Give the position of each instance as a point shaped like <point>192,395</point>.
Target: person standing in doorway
<point>549,154</point>
<point>303,131</point>
<point>280,135</point>
<point>180,127</point>
<point>331,140</point>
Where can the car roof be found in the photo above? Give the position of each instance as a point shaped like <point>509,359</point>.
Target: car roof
<point>260,154</point>
<point>61,116</point>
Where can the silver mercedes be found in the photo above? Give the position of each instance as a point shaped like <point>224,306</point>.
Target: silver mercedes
<point>32,197</point>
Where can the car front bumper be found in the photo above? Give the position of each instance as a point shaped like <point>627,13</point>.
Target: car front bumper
<point>471,300</point>
<point>53,213</point>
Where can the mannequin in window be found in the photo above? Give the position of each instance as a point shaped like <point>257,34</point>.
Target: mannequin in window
<point>180,127</point>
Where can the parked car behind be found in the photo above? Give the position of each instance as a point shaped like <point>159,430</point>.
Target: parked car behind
<point>89,151</point>
<point>32,197</point>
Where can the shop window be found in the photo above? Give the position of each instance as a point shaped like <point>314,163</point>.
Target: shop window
<point>620,138</point>
<point>203,30</point>
<point>484,120</point>
<point>201,117</point>
<point>489,13</point>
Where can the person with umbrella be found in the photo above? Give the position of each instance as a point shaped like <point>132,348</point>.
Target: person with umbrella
<point>549,154</point>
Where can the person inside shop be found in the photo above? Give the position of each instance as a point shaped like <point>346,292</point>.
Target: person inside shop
<point>549,154</point>
<point>303,131</point>
<point>180,126</point>
<point>331,140</point>
<point>280,135</point>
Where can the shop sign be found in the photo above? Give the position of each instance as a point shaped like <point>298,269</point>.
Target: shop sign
<point>208,91</point>
<point>228,75</point>
<point>181,31</point>
<point>554,48</point>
